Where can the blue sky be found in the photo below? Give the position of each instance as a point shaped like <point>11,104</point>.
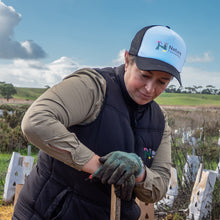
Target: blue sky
<point>43,41</point>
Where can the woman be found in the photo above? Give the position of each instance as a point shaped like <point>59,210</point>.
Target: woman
<point>103,122</point>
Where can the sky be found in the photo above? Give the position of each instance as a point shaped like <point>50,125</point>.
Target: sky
<point>43,41</point>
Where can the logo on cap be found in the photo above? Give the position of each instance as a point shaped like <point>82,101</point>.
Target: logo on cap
<point>165,48</point>
<point>162,45</point>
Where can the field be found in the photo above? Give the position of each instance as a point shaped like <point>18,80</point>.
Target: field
<point>185,111</point>
<point>176,99</point>
<point>28,93</point>
<point>182,99</point>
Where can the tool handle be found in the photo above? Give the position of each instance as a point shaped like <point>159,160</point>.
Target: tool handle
<point>115,205</point>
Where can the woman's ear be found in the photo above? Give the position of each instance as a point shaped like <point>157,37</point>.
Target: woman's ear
<point>126,56</point>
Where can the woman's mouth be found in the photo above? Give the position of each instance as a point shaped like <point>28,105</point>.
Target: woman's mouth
<point>145,96</point>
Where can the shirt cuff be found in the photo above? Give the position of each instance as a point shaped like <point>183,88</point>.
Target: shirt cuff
<point>81,156</point>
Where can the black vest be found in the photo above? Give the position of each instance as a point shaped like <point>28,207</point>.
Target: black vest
<point>61,192</point>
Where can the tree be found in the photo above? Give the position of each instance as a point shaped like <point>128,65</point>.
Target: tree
<point>171,89</point>
<point>197,89</point>
<point>190,89</point>
<point>7,90</point>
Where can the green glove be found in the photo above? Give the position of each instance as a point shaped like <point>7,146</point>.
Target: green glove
<point>118,166</point>
<point>125,190</point>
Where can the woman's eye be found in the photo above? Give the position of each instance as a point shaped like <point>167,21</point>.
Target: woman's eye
<point>145,76</point>
<point>162,83</point>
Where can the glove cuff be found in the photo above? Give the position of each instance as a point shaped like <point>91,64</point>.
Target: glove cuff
<point>142,168</point>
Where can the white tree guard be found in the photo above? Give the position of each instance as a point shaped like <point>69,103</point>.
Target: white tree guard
<point>172,191</point>
<point>19,168</point>
<point>218,170</point>
<point>186,136</point>
<point>219,138</point>
<point>201,199</point>
<point>190,169</point>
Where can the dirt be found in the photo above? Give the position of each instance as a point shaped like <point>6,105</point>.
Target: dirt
<point>6,212</point>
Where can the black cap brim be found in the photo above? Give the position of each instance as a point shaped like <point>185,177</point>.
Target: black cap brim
<point>157,65</point>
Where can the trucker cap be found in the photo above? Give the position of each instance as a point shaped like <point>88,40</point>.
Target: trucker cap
<point>159,48</point>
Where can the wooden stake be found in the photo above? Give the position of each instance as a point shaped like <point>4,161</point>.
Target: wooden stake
<point>17,192</point>
<point>115,205</point>
<point>200,172</point>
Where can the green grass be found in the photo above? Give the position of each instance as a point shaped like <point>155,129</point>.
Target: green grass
<point>188,99</point>
<point>163,99</point>
<point>28,93</point>
<point>184,99</point>
<point>4,162</point>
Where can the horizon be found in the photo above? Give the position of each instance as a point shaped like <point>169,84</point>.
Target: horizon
<point>176,86</point>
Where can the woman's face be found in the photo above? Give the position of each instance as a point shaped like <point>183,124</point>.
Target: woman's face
<point>144,86</point>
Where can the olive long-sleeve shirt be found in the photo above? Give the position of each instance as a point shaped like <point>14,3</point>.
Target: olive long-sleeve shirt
<point>78,100</point>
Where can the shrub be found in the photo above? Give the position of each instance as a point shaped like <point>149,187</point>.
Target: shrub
<point>11,135</point>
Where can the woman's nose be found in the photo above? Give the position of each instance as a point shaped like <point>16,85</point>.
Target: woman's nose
<point>149,86</point>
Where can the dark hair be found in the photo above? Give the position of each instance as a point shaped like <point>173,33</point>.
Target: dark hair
<point>131,59</point>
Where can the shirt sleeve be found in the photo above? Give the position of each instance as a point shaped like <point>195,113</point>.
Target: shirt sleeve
<point>155,185</point>
<point>75,100</point>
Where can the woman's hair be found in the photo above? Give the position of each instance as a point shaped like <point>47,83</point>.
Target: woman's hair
<point>131,59</point>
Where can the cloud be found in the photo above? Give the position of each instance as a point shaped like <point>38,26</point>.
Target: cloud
<point>10,48</point>
<point>195,76</point>
<point>120,59</point>
<point>205,58</point>
<point>33,73</point>
<point>60,68</point>
<point>36,74</point>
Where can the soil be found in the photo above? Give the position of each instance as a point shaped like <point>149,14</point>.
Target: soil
<point>6,212</point>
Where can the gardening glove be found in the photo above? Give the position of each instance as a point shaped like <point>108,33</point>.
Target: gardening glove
<point>125,190</point>
<point>118,166</point>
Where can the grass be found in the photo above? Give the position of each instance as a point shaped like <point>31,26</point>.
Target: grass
<point>4,162</point>
<point>28,93</point>
<point>5,211</point>
<point>184,99</point>
<point>188,99</point>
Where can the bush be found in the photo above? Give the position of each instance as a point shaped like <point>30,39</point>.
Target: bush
<point>11,135</point>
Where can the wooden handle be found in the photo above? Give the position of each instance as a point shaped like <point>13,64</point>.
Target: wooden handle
<point>115,205</point>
